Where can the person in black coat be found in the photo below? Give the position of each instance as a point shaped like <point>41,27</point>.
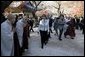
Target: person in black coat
<point>28,21</point>
<point>82,26</point>
<point>77,22</point>
<point>31,24</point>
<point>50,23</point>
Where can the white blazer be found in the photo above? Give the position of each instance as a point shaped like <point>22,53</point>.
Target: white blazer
<point>44,25</point>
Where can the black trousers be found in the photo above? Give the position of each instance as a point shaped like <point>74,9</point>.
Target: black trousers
<point>31,29</point>
<point>44,37</point>
<point>49,35</point>
<point>56,30</point>
<point>50,29</point>
<point>80,25</point>
<point>28,32</point>
<point>77,25</point>
<point>83,29</point>
<point>60,34</point>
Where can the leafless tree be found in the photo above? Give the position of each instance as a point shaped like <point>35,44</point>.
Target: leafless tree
<point>58,7</point>
<point>33,5</point>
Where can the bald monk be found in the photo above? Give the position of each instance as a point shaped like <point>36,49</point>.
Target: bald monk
<point>7,42</point>
<point>21,34</point>
<point>25,34</point>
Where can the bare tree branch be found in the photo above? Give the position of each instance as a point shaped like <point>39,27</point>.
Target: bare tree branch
<point>59,7</point>
<point>55,7</point>
<point>62,10</point>
<point>31,3</point>
<point>38,3</point>
<point>35,3</point>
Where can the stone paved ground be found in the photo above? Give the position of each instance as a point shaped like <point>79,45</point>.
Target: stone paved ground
<point>66,47</point>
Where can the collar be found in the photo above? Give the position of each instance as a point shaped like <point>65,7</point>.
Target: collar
<point>8,22</point>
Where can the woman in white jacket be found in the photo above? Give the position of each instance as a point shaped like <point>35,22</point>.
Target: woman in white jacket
<point>44,30</point>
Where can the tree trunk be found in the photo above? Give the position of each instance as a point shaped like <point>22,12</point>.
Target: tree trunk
<point>35,17</point>
<point>33,13</point>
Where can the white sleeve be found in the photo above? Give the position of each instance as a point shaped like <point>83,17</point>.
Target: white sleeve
<point>39,26</point>
<point>53,23</point>
<point>48,25</point>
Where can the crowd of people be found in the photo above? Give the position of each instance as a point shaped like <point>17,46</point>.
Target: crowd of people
<point>62,25</point>
<point>15,31</point>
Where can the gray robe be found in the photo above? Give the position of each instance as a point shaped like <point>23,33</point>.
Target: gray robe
<point>19,30</point>
<point>6,39</point>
